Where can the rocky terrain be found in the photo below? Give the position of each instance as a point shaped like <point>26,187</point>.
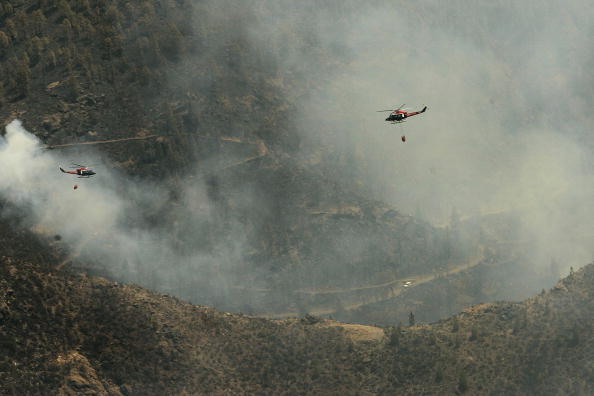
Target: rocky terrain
<point>306,280</point>
<point>67,334</point>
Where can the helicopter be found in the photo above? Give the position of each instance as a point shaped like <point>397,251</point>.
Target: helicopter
<point>81,170</point>
<point>399,115</point>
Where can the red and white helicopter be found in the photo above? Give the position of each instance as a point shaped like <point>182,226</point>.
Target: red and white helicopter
<point>80,170</point>
<point>399,115</point>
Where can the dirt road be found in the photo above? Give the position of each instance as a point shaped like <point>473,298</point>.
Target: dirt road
<point>385,290</point>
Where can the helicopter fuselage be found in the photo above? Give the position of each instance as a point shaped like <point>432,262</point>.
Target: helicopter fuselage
<point>396,117</point>
<point>81,172</point>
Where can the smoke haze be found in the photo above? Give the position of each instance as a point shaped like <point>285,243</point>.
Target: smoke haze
<point>104,220</point>
<point>508,130</point>
<point>508,126</point>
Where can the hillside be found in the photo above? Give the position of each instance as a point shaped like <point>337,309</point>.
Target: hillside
<point>256,227</point>
<point>164,96</point>
<point>64,333</point>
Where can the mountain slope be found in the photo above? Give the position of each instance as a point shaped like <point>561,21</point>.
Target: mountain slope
<point>182,95</point>
<point>71,334</point>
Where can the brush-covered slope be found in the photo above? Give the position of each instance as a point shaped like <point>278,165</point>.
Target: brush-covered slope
<point>62,333</point>
<point>182,93</point>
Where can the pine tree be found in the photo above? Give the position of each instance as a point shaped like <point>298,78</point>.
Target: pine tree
<point>64,8</point>
<point>11,30</point>
<point>439,374</point>
<point>1,94</point>
<point>574,338</point>
<point>171,119</point>
<point>66,29</point>
<point>35,50</point>
<point>113,16</point>
<point>171,42</point>
<point>395,336</point>
<point>473,334</point>
<point>6,9</point>
<point>462,383</point>
<point>73,88</point>
<point>38,20</point>
<point>455,324</point>
<point>23,77</point>
<point>4,40</point>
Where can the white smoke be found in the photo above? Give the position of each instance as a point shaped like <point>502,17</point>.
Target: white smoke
<point>497,135</point>
<point>102,221</point>
<point>31,178</point>
<point>505,129</point>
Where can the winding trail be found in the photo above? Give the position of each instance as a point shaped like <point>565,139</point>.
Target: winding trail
<point>262,149</point>
<point>389,290</point>
<point>101,142</point>
<point>262,152</point>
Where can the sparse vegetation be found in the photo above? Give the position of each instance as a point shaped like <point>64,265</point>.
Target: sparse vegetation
<point>62,332</point>
<point>185,72</point>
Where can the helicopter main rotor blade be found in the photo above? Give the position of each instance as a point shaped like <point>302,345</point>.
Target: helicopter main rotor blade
<point>401,106</point>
